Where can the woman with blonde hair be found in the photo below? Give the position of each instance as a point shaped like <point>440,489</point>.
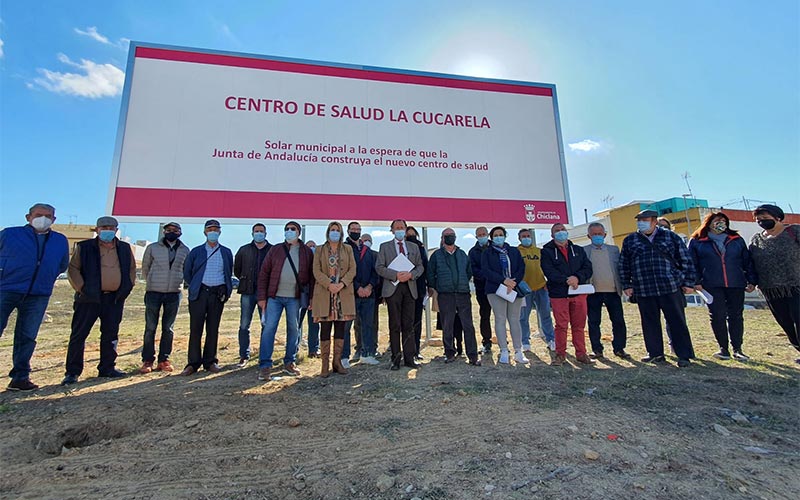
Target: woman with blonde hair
<point>333,302</point>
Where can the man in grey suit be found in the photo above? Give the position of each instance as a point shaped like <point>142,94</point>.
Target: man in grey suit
<point>400,298</point>
<point>607,290</point>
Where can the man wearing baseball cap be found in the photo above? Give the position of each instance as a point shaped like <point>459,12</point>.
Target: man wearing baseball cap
<point>102,271</point>
<point>208,271</point>
<point>162,267</point>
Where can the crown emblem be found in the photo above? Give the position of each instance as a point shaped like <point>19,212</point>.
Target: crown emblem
<point>529,207</point>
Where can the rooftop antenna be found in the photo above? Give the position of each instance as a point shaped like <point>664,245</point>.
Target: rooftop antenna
<point>607,200</point>
<point>686,177</point>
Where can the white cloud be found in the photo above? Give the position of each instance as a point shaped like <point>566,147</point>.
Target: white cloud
<point>93,80</point>
<point>584,146</point>
<point>1,48</point>
<point>92,33</point>
<point>380,233</point>
<point>469,236</point>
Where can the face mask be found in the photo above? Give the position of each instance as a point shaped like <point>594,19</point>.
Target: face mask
<point>259,237</point>
<point>171,237</point>
<point>598,240</point>
<point>561,236</point>
<point>642,226</point>
<point>483,240</point>
<point>766,223</point>
<point>499,240</point>
<point>400,234</point>
<point>719,227</point>
<point>290,235</point>
<point>334,236</point>
<point>354,235</point>
<point>313,249</point>
<point>368,244</point>
<point>526,242</point>
<point>450,239</point>
<point>411,238</point>
<point>212,236</point>
<point>107,235</point>
<point>41,223</point>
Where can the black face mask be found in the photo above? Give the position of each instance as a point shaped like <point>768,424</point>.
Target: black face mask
<point>354,235</point>
<point>171,237</point>
<point>411,238</point>
<point>767,223</point>
<point>450,239</point>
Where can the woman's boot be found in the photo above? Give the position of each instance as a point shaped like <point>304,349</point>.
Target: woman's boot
<point>338,347</point>
<point>325,357</point>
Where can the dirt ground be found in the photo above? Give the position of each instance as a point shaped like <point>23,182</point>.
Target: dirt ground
<point>616,429</point>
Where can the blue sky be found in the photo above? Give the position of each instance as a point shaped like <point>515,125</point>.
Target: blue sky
<point>646,90</point>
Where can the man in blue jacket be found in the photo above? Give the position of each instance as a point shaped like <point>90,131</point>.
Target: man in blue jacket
<point>208,271</point>
<point>31,258</point>
<point>364,285</point>
<point>484,308</point>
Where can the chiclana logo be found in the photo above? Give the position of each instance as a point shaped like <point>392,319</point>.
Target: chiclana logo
<point>529,215</point>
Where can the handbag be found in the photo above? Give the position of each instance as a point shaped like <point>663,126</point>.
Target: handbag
<point>304,291</point>
<point>523,289</point>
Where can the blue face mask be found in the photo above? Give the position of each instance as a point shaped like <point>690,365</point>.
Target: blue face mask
<point>561,236</point>
<point>400,234</point>
<point>643,225</point>
<point>368,243</point>
<point>212,237</point>
<point>499,240</point>
<point>335,236</point>
<point>526,242</point>
<point>598,239</point>
<point>290,235</point>
<point>313,249</point>
<point>107,235</point>
<point>483,240</point>
<point>259,237</point>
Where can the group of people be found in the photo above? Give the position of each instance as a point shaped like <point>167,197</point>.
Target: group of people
<point>336,287</point>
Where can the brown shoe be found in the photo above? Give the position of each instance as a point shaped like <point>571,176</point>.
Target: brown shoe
<point>583,358</point>
<point>214,368</point>
<point>325,356</point>
<point>164,366</point>
<point>559,360</point>
<point>189,370</point>
<point>291,369</point>
<point>338,347</point>
<point>265,374</point>
<point>147,367</point>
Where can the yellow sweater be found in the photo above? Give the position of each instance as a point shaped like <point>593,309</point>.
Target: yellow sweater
<point>534,276</point>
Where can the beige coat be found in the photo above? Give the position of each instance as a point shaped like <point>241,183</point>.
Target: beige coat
<point>321,302</point>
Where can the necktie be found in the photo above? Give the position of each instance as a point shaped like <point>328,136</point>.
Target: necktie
<point>402,250</point>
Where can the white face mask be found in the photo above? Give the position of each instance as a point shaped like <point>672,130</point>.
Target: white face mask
<point>42,223</point>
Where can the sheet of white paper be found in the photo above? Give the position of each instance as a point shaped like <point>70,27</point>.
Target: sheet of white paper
<point>401,264</point>
<point>503,293</point>
<point>581,290</point>
<point>705,296</point>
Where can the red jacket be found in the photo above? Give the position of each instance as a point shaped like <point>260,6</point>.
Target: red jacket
<point>270,273</point>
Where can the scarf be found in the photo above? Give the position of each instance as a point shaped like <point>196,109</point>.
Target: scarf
<point>504,261</point>
<point>719,240</point>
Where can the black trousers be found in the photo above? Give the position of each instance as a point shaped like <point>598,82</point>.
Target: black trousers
<point>613,303</point>
<point>452,306</point>
<point>325,328</point>
<point>401,323</point>
<point>726,316</point>
<point>83,319</point>
<point>786,311</point>
<point>458,332</point>
<point>418,308</point>
<point>205,311</point>
<point>650,309</point>
<point>485,312</point>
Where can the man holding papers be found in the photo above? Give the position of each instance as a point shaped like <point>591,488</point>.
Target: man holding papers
<point>400,264</point>
<point>566,266</point>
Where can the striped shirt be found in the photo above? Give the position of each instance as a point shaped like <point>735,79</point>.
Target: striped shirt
<point>213,275</point>
<point>649,271</point>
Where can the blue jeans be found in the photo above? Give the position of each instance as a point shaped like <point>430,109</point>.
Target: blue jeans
<point>153,301</point>
<point>275,307</point>
<point>249,304</point>
<point>313,331</point>
<point>365,312</point>
<point>541,301</point>
<point>30,311</point>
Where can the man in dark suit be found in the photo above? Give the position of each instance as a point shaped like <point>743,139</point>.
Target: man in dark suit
<point>400,292</point>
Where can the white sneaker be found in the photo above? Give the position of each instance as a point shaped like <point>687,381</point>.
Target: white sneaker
<point>538,335</point>
<point>369,360</point>
<point>526,347</point>
<point>520,358</point>
<point>346,364</point>
<point>551,345</point>
<point>504,356</point>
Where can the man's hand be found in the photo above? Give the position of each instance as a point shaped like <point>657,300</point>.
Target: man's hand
<point>628,292</point>
<point>262,304</point>
<point>572,281</point>
<point>404,276</point>
<point>688,289</point>
<point>699,288</point>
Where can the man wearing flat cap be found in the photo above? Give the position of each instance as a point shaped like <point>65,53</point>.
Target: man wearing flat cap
<point>655,267</point>
<point>102,271</point>
<point>162,267</point>
<point>208,270</point>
